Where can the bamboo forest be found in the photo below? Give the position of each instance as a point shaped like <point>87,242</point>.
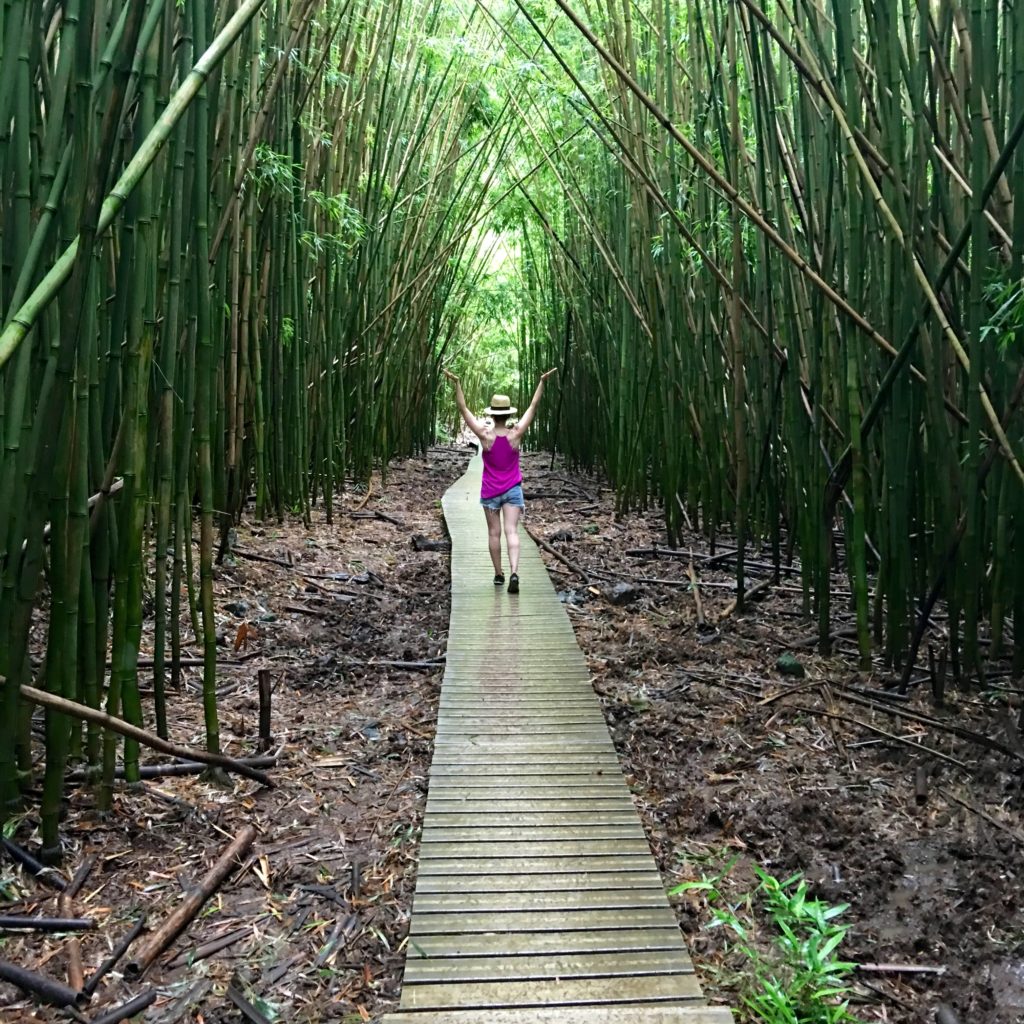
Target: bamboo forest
<point>774,250</point>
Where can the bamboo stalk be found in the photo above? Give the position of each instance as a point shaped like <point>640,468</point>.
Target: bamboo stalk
<point>147,739</point>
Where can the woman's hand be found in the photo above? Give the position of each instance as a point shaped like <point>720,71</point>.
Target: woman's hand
<point>451,376</point>
<point>551,372</point>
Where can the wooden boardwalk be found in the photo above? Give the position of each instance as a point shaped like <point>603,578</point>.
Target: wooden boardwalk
<point>537,899</point>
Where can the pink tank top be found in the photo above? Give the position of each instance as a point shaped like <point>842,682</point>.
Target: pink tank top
<point>501,468</point>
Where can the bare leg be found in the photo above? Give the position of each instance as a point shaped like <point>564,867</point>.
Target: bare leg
<point>510,518</point>
<point>494,538</point>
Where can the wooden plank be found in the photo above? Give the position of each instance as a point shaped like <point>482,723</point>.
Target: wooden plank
<point>601,773</point>
<point>472,702</point>
<point>453,795</point>
<point>435,818</point>
<point>488,994</point>
<point>525,646</point>
<point>522,835</point>
<point>522,862</point>
<point>619,803</point>
<point>551,714</point>
<point>523,774</point>
<point>479,702</point>
<point>555,881</point>
<point>530,752</point>
<point>531,672</point>
<point>467,694</point>
<point>472,785</point>
<point>550,718</point>
<point>540,921</point>
<point>541,686</point>
<point>621,1013</point>
<point>536,849</point>
<point>551,965</point>
<point>574,748</point>
<point>513,749</point>
<point>585,739</point>
<point>591,754</point>
<point>539,683</point>
<point>537,942</point>
<point>485,695</point>
<point>510,729</point>
<point>589,899</point>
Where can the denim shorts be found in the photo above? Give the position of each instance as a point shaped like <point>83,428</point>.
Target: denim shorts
<point>513,496</point>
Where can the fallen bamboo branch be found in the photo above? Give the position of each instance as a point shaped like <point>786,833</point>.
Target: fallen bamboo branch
<point>119,725</point>
<point>249,1012</point>
<point>128,1009</point>
<point>383,516</point>
<point>32,922</point>
<point>902,740</point>
<point>179,919</point>
<point>900,969</point>
<point>977,738</point>
<point>56,993</point>
<point>982,813</point>
<point>366,497</point>
<point>115,955</point>
<point>695,585</point>
<point>266,691</point>
<point>80,877</point>
<point>752,594</point>
<point>76,972</point>
<point>557,554</point>
<point>207,949</point>
<point>163,771</point>
<point>253,557</point>
<point>300,609</point>
<point>413,666</point>
<point>191,661</point>
<point>38,870</point>
<point>709,561</point>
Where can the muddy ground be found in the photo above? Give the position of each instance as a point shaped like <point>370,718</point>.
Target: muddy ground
<point>732,764</point>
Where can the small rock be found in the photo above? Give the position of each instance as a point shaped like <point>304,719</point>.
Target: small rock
<point>789,666</point>
<point>622,593</point>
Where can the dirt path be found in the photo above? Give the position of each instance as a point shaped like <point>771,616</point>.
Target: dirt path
<point>729,761</point>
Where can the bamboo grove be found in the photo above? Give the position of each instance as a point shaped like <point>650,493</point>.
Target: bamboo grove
<point>231,236</point>
<point>784,276</point>
<point>775,247</point>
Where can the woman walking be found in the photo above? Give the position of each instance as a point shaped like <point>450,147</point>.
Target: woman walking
<point>501,492</point>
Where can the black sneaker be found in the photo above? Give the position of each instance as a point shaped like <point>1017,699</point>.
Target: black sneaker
<point>513,583</point>
<point>499,579</point>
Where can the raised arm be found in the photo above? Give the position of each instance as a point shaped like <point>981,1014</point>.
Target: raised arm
<point>527,418</point>
<point>477,426</point>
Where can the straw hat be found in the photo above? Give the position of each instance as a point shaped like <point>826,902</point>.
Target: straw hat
<point>500,406</point>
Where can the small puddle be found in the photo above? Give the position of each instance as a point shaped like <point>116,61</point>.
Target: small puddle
<point>924,884</point>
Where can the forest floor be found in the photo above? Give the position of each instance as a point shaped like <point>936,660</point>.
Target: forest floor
<point>733,765</point>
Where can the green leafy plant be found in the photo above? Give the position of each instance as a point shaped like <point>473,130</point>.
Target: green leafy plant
<point>796,976</point>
